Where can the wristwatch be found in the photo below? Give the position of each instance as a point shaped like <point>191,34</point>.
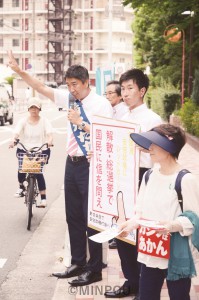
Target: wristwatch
<point>82,125</point>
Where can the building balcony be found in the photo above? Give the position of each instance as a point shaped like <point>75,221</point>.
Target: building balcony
<point>102,48</point>
<point>102,26</point>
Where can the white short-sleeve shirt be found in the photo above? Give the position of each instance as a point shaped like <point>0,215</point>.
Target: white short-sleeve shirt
<point>119,110</point>
<point>147,119</point>
<point>93,104</point>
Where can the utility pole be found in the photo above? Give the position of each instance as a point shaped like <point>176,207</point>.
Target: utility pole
<point>110,16</point>
<point>190,79</point>
<point>33,40</point>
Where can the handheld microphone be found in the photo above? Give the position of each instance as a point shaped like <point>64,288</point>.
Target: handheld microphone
<point>71,101</point>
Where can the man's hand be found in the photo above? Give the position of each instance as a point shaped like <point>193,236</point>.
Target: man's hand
<point>12,62</point>
<point>74,116</point>
<point>89,155</point>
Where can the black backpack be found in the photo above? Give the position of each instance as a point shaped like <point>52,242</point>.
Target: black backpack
<point>177,183</point>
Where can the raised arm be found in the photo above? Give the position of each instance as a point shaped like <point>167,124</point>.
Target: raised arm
<point>36,84</point>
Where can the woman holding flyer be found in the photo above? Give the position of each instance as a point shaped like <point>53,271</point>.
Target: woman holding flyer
<point>168,240</point>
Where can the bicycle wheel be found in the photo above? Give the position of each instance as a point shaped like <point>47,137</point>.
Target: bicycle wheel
<point>29,199</point>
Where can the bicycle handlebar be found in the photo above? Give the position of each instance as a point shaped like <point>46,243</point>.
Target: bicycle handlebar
<point>32,150</point>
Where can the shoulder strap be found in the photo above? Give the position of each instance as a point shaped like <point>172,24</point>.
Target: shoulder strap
<point>177,183</point>
<point>178,186</point>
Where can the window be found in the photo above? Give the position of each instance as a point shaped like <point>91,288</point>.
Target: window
<point>1,42</point>
<point>91,64</point>
<point>26,24</point>
<point>15,3</point>
<point>15,22</point>
<point>26,63</point>
<point>91,43</point>
<point>1,22</point>
<point>26,4</point>
<point>1,3</point>
<point>15,42</point>
<point>26,44</point>
<point>1,60</point>
<point>91,22</point>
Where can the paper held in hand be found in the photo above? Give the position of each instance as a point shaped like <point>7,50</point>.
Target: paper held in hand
<point>105,235</point>
<point>151,224</point>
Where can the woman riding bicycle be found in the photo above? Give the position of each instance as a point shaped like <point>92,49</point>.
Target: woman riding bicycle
<point>33,131</point>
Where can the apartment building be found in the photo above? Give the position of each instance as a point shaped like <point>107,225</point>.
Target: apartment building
<point>47,36</point>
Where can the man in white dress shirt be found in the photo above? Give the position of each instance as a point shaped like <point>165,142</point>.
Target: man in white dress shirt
<point>134,84</point>
<point>113,94</point>
<point>77,167</point>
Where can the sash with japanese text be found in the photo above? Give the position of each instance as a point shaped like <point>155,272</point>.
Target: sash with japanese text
<point>82,137</point>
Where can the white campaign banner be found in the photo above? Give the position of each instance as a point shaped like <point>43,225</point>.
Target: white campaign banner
<point>114,171</point>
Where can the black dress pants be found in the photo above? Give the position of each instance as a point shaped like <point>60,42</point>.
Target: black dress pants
<point>128,255</point>
<point>76,205</point>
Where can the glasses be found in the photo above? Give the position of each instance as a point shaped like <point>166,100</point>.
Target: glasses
<point>109,93</point>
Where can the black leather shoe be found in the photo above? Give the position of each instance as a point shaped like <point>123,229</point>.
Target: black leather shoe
<point>122,292</point>
<point>112,244</point>
<point>136,297</point>
<point>104,265</point>
<point>73,270</point>
<point>86,278</point>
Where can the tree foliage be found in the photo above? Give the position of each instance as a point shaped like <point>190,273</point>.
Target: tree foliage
<point>152,49</point>
<point>10,80</point>
<point>164,99</point>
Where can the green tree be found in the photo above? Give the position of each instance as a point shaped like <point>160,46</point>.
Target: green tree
<point>186,113</point>
<point>151,19</point>
<point>10,80</point>
<point>164,99</point>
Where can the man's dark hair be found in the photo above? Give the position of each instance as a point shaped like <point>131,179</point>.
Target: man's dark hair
<point>117,86</point>
<point>78,72</point>
<point>137,76</point>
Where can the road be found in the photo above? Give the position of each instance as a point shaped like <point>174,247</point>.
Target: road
<point>13,233</point>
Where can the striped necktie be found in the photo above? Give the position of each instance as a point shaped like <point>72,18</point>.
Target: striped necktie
<point>73,145</point>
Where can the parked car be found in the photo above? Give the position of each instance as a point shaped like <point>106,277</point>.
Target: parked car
<point>6,107</point>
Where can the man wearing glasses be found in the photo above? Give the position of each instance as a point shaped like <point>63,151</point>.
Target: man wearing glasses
<point>113,94</point>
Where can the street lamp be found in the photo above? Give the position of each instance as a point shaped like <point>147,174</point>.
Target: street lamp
<point>173,35</point>
<point>190,79</point>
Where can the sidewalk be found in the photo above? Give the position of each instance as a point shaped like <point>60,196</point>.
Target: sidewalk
<point>44,254</point>
<point>112,275</point>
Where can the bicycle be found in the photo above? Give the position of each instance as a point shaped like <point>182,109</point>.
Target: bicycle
<point>31,162</point>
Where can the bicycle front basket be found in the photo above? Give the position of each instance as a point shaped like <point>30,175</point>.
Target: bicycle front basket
<point>33,163</point>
